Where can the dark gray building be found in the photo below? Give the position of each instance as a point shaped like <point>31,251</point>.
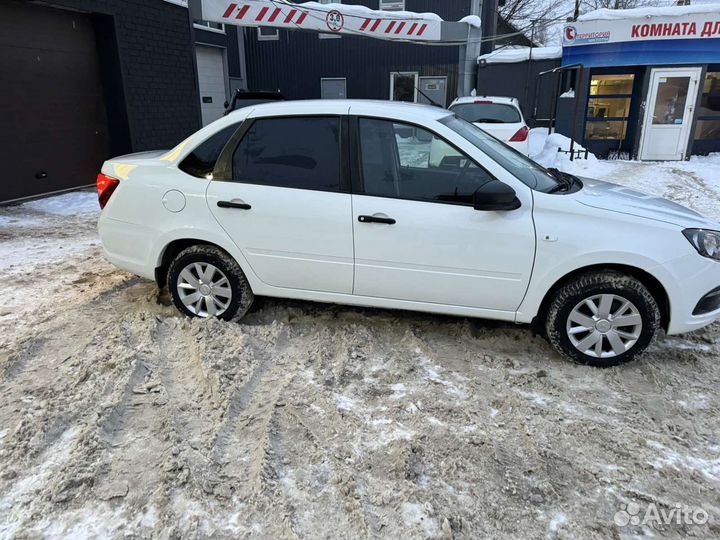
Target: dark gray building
<point>219,53</point>
<point>525,74</point>
<point>305,65</point>
<point>84,80</point>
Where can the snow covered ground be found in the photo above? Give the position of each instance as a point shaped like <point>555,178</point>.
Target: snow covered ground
<point>121,419</point>
<point>694,183</point>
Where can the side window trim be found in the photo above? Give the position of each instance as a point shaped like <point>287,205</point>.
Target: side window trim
<point>204,141</point>
<point>358,183</point>
<point>224,167</point>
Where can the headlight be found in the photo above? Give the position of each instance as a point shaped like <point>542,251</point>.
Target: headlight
<point>706,242</point>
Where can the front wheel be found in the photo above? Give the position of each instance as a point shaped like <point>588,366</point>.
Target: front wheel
<point>602,318</point>
<point>205,281</point>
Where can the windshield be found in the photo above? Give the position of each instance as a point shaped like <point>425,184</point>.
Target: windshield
<point>522,167</point>
<point>488,112</point>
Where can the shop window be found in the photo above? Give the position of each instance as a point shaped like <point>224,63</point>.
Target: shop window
<point>608,106</point>
<point>708,125</point>
<point>611,85</point>
<point>708,129</point>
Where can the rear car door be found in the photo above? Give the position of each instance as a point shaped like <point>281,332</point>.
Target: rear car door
<point>417,236</point>
<point>283,198</point>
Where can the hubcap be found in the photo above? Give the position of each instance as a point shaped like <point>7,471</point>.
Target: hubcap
<point>204,289</point>
<point>604,325</point>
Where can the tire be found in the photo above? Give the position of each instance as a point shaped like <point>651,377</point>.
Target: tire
<point>598,304</point>
<point>212,298</point>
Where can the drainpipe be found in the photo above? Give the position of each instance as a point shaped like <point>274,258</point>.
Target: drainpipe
<point>470,52</point>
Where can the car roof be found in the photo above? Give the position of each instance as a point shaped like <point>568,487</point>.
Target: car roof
<point>494,99</point>
<point>361,107</point>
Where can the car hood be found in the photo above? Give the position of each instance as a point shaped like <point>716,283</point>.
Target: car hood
<point>616,198</point>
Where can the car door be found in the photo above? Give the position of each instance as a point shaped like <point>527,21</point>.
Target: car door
<point>417,235</point>
<point>285,202</point>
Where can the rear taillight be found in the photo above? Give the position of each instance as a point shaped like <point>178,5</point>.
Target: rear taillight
<point>520,135</point>
<point>105,186</point>
<point>482,102</point>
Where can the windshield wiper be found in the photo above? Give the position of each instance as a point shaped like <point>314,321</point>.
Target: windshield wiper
<point>567,181</point>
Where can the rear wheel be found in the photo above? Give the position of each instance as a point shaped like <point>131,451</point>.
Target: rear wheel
<point>602,318</point>
<point>205,281</point>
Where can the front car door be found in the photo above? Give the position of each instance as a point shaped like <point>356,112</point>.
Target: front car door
<point>669,113</point>
<point>417,236</point>
<point>281,194</point>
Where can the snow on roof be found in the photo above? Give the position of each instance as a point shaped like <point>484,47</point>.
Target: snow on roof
<point>472,20</point>
<point>509,55</point>
<point>645,12</point>
<point>362,11</point>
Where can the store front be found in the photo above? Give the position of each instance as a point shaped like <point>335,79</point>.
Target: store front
<point>649,83</point>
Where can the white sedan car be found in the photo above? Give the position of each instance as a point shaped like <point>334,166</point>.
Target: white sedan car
<point>501,117</point>
<point>337,201</point>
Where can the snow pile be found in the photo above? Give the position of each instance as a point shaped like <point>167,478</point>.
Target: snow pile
<point>550,151</point>
<point>645,12</point>
<point>511,55</point>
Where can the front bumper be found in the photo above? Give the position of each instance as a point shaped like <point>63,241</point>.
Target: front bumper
<point>687,280</point>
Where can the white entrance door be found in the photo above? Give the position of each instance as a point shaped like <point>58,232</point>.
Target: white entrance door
<point>211,81</point>
<point>668,113</point>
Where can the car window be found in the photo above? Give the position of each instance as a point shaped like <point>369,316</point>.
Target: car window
<point>201,161</point>
<point>408,162</point>
<point>487,112</point>
<point>298,152</point>
<point>519,165</point>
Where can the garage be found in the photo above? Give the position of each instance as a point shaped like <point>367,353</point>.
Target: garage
<point>211,80</point>
<point>51,101</point>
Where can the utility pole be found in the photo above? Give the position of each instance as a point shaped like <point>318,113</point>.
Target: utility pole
<point>467,65</point>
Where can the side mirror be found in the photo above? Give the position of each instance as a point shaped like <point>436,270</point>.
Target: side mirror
<point>226,104</point>
<point>495,196</point>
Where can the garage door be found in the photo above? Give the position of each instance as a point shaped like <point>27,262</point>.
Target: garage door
<point>211,79</point>
<point>54,133</point>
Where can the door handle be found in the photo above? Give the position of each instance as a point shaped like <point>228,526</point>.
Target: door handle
<point>231,204</point>
<point>376,219</point>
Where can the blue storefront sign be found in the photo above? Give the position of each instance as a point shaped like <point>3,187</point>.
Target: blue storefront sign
<point>655,36</point>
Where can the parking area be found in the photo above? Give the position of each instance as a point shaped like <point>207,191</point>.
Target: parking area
<point>120,417</point>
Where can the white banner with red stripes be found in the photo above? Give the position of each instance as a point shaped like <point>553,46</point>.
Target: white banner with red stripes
<point>329,18</point>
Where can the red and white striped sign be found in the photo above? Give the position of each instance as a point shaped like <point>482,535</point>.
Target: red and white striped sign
<point>337,19</point>
<point>401,28</point>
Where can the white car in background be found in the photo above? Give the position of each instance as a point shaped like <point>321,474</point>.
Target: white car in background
<point>338,201</point>
<point>501,117</point>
